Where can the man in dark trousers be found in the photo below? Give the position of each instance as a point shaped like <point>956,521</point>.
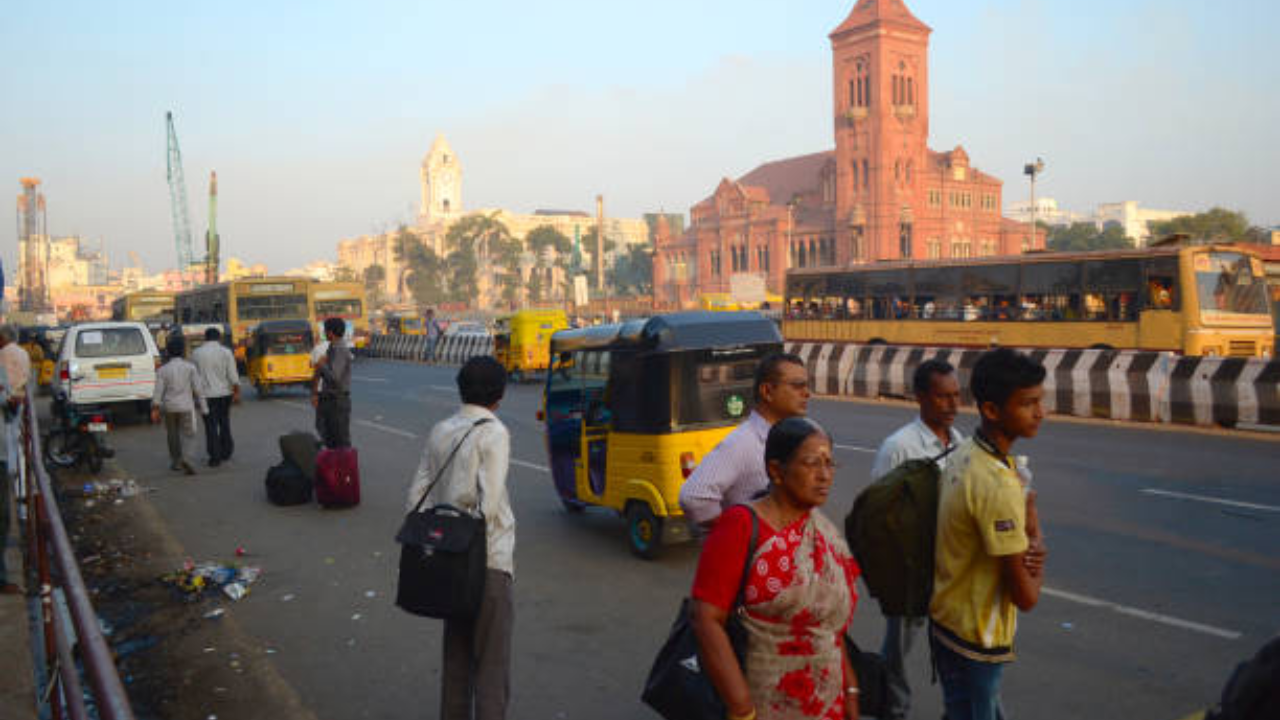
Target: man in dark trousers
<point>331,388</point>
<point>221,380</point>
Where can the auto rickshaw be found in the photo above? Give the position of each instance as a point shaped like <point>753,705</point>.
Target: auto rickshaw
<point>405,324</point>
<point>279,354</point>
<point>35,342</point>
<point>632,408</point>
<point>522,342</point>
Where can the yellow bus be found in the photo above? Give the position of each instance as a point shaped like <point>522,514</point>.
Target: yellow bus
<point>725,302</point>
<point>241,304</point>
<point>342,300</point>
<point>148,306</point>
<point>1193,300</point>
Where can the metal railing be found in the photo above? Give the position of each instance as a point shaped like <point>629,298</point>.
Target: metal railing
<point>51,559</point>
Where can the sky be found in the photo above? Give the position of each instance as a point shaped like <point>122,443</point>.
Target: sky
<point>316,115</point>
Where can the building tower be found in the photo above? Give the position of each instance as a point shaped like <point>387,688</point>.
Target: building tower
<point>441,178</point>
<point>880,69</point>
<point>33,248</point>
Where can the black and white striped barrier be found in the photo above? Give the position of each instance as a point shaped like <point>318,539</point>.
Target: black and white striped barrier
<point>1115,384</point>
<point>450,350</point>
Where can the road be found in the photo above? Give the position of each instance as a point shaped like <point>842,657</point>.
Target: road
<point>1163,571</point>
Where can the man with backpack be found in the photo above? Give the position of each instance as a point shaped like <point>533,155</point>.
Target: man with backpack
<point>928,437</point>
<point>989,560</point>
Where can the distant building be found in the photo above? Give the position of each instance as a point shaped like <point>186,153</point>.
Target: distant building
<point>1134,219</point>
<point>1047,212</point>
<point>882,194</point>
<point>441,207</point>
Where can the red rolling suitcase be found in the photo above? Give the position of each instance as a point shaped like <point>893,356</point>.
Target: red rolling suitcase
<point>338,477</point>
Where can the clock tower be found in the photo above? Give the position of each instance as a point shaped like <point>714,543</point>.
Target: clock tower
<point>441,178</point>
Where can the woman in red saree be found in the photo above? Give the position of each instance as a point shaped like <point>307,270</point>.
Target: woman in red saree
<point>798,596</point>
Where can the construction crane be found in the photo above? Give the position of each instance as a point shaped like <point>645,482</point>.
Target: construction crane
<point>178,202</point>
<point>211,239</point>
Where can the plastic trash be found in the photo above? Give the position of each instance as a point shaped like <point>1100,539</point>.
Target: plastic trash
<point>215,613</point>
<point>234,590</point>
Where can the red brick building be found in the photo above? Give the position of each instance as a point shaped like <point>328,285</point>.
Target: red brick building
<point>882,194</point>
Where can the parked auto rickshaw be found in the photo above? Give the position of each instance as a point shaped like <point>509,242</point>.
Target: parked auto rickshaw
<point>522,342</point>
<point>632,408</point>
<point>405,324</point>
<point>279,354</point>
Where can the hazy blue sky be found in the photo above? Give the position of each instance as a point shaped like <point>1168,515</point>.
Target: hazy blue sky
<point>316,115</point>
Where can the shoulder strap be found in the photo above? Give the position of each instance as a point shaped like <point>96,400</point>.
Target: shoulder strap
<point>944,453</point>
<point>448,460</point>
<point>751,552</point>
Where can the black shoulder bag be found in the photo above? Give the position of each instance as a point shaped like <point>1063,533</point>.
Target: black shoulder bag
<point>677,686</point>
<point>443,554</point>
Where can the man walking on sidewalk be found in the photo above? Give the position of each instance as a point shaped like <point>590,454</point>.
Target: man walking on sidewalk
<point>217,366</point>
<point>15,369</point>
<point>331,388</point>
<point>177,397</point>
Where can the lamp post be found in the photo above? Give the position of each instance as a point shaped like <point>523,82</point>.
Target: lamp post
<point>1031,170</point>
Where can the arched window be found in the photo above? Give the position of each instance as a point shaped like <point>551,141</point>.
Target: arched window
<point>866,176</point>
<point>813,253</point>
<point>911,91</point>
<point>855,176</point>
<point>802,258</point>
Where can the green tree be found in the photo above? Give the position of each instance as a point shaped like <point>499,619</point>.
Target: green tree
<point>1086,236</point>
<point>471,239</point>
<point>423,274</point>
<point>375,278</point>
<point>1214,225</point>
<point>632,273</point>
<point>540,240</point>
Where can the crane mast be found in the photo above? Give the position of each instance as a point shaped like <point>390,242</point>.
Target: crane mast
<point>178,202</point>
<point>211,239</point>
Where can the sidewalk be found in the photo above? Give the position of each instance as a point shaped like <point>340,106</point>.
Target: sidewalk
<point>17,677</point>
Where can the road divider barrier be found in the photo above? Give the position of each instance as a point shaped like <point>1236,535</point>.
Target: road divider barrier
<point>1115,384</point>
<point>449,350</point>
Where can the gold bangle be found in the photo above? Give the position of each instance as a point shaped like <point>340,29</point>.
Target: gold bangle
<point>745,716</point>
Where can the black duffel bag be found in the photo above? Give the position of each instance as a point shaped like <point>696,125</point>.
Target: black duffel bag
<point>678,686</point>
<point>443,554</point>
<point>288,485</point>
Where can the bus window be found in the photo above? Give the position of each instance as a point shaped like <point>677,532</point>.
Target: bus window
<point>1051,291</point>
<point>1112,288</point>
<point>887,291</point>
<point>989,292</point>
<point>1226,283</point>
<point>935,294</point>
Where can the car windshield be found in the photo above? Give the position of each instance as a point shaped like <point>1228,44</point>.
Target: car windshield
<point>110,342</point>
<point>1228,286</point>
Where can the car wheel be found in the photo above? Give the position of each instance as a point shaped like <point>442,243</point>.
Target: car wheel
<point>644,530</point>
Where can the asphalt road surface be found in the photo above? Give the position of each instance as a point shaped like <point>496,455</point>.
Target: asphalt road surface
<point>1163,570</point>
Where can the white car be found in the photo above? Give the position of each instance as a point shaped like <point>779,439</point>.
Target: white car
<point>466,327</point>
<point>106,363</point>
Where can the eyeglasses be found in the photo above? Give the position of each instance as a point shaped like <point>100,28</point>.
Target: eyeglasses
<point>818,463</point>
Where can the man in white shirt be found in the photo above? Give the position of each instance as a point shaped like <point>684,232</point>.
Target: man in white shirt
<point>177,397</point>
<point>937,392</point>
<point>477,651</point>
<point>734,471</point>
<point>221,382</point>
<point>15,369</point>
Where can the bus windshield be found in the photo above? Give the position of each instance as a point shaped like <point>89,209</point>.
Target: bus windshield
<point>272,307</point>
<point>1228,287</point>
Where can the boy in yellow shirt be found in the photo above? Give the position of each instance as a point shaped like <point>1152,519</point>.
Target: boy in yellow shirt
<point>990,556</point>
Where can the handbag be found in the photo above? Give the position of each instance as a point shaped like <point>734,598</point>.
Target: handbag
<point>677,686</point>
<point>873,678</point>
<point>443,554</point>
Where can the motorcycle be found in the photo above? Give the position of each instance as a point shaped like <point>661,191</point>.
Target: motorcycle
<point>78,434</point>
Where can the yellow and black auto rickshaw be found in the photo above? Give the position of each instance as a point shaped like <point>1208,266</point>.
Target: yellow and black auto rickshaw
<point>43,357</point>
<point>522,341</point>
<point>279,354</point>
<point>632,408</point>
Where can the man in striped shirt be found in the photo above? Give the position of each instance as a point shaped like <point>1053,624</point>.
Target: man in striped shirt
<point>734,471</point>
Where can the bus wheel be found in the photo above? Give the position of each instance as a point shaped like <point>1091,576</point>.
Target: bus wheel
<point>876,341</point>
<point>262,389</point>
<point>1100,346</point>
<point>644,530</point>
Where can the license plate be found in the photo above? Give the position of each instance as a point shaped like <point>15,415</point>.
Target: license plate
<point>112,373</point>
<point>97,427</point>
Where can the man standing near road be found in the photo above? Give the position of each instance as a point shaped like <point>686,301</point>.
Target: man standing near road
<point>433,334</point>
<point>989,562</point>
<point>217,366</point>
<point>931,434</point>
<point>734,471</point>
<point>476,679</point>
<point>177,397</point>
<point>15,366</point>
<point>331,388</point>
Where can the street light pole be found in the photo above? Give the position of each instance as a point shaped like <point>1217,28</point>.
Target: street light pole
<point>1032,170</point>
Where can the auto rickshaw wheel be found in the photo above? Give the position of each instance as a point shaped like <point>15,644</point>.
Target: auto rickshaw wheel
<point>644,530</point>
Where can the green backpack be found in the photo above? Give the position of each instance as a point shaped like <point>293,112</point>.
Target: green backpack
<point>891,531</point>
